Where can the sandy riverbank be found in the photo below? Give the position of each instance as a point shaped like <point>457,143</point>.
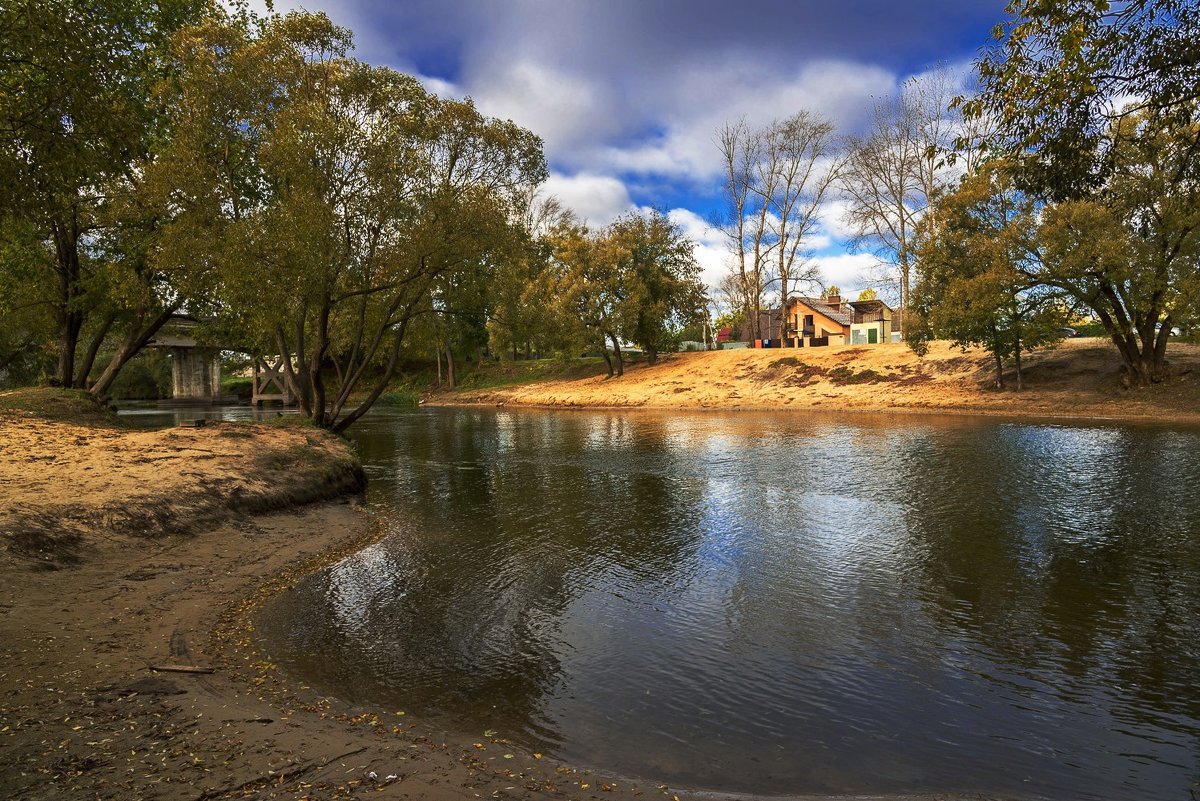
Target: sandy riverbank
<point>130,570</point>
<point>1079,379</point>
<point>131,671</point>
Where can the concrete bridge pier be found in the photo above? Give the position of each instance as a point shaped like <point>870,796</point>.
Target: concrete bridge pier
<point>195,375</point>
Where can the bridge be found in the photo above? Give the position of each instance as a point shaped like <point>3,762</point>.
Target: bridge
<point>196,368</point>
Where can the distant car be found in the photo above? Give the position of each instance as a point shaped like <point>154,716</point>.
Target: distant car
<point>1066,331</point>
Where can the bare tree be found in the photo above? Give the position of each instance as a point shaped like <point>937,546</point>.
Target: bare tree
<point>741,149</point>
<point>803,154</point>
<point>776,181</point>
<point>897,168</point>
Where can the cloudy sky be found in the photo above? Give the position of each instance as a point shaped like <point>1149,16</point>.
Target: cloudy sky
<point>628,94</point>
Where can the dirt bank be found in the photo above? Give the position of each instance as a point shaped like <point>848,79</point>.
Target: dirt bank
<point>68,486</point>
<point>1080,378</point>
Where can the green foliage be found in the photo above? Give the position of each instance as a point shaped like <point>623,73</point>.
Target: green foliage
<point>147,377</point>
<point>660,288</point>
<point>240,386</point>
<point>77,112</point>
<point>399,399</point>
<point>867,294</point>
<point>636,280</point>
<point>1121,240</point>
<point>337,203</point>
<point>1050,84</point>
<point>734,320</point>
<point>980,281</point>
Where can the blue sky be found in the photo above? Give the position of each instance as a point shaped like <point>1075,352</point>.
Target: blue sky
<point>628,94</point>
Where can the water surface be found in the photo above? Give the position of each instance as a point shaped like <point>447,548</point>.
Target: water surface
<point>780,603</point>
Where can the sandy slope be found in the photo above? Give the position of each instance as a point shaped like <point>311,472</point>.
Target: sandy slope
<point>1078,379</point>
<point>66,486</point>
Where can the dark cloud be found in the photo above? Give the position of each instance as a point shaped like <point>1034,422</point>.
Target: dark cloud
<point>441,38</point>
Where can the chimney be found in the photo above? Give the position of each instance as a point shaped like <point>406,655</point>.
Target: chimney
<point>835,301</point>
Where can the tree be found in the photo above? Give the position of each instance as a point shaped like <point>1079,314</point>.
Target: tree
<point>1131,253</point>
<point>867,294</point>
<point>1099,106</point>
<point>522,317</point>
<point>76,112</point>
<point>982,278</point>
<point>586,285</point>
<point>895,171</point>
<point>334,201</point>
<point>777,179</point>
<point>660,289</point>
<point>1062,73</point>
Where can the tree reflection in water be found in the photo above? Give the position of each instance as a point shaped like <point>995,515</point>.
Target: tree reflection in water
<point>780,602</point>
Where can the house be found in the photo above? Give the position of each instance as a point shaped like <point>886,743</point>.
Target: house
<point>872,323</point>
<point>816,322</point>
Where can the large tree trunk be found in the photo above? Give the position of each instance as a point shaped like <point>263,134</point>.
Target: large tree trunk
<point>651,354</point>
<point>89,359</point>
<point>69,326</point>
<point>1017,361</point>
<point>70,316</point>
<point>449,367</point>
<point>620,359</point>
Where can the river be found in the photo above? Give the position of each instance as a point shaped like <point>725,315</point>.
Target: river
<point>779,603</point>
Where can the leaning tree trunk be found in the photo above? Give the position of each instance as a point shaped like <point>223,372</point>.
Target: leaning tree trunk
<point>84,371</point>
<point>130,346</point>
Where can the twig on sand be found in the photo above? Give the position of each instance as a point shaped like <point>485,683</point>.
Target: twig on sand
<point>182,669</point>
<point>281,776</point>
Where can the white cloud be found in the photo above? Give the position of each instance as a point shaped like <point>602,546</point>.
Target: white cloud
<point>443,89</point>
<point>684,109</point>
<point>564,109</point>
<point>851,272</point>
<point>597,199</point>
<point>711,249</point>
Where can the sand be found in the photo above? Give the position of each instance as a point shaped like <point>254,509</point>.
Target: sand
<point>1078,379</point>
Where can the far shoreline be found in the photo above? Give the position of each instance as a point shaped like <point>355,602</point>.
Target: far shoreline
<point>1077,382</point>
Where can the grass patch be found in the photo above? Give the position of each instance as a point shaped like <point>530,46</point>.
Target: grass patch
<point>62,405</point>
<point>400,398</point>
<point>845,375</point>
<point>237,385</point>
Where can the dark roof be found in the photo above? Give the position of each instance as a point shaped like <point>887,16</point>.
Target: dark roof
<point>870,305</point>
<point>821,307</point>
